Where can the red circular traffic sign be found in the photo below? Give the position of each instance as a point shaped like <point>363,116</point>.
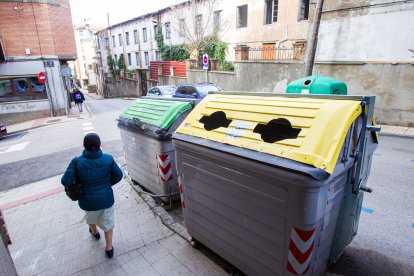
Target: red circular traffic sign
<point>41,78</point>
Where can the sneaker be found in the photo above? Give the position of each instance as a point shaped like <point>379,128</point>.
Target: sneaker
<point>110,253</point>
<point>97,235</point>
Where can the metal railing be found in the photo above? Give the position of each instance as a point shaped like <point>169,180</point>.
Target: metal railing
<point>272,53</point>
<point>215,65</point>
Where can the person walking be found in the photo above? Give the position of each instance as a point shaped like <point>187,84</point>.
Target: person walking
<point>79,98</point>
<point>96,172</point>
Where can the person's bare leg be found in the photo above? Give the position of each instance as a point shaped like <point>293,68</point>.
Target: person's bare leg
<point>108,239</point>
<point>93,228</point>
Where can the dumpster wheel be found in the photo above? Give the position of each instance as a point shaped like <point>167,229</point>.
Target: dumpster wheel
<point>195,243</point>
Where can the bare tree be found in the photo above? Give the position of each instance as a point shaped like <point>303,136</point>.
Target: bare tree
<point>194,22</point>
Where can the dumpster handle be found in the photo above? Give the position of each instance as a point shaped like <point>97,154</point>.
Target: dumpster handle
<point>364,188</point>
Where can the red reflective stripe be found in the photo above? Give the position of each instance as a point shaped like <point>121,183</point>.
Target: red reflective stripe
<point>163,157</point>
<point>166,169</point>
<point>304,235</point>
<point>291,269</point>
<point>299,256</point>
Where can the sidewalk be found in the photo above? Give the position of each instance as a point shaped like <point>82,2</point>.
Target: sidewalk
<point>74,115</point>
<point>50,236</point>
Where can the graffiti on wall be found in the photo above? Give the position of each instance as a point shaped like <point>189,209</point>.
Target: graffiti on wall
<point>23,107</point>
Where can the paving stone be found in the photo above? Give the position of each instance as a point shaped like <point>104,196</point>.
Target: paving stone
<point>139,266</point>
<point>166,264</point>
<point>153,252</point>
<point>181,271</point>
<point>50,237</point>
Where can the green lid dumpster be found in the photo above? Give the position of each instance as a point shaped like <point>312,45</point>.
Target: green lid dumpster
<point>146,128</point>
<point>267,182</point>
<point>317,85</point>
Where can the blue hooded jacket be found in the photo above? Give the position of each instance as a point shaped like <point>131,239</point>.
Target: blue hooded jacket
<point>97,172</point>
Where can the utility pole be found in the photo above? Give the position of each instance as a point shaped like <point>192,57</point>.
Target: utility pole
<point>310,53</point>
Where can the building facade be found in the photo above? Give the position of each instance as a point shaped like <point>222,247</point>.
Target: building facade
<point>255,23</point>
<point>369,44</point>
<point>86,64</point>
<point>35,36</point>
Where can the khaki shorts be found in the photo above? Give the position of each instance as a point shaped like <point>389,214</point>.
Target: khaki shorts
<point>104,219</point>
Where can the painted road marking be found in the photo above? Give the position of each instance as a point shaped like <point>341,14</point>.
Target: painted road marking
<point>367,210</point>
<point>89,132</point>
<point>17,147</point>
<point>89,128</point>
<point>87,124</point>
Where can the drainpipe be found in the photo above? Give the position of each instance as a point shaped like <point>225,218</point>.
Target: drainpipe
<point>287,29</point>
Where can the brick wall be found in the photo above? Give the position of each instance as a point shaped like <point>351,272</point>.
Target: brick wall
<point>45,29</point>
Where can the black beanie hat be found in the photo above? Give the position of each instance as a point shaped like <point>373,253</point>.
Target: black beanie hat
<point>92,142</point>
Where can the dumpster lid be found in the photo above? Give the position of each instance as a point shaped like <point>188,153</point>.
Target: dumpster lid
<point>159,113</point>
<point>307,130</point>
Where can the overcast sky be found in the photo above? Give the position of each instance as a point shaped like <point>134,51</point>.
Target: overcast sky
<point>119,10</point>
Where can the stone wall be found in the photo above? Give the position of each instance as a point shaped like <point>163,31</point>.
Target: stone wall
<point>122,87</point>
<point>393,85</point>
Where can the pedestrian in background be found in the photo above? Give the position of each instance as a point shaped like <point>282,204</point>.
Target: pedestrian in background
<point>96,172</point>
<point>79,98</point>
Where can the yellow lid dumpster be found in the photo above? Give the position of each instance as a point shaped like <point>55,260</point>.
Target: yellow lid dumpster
<point>266,177</point>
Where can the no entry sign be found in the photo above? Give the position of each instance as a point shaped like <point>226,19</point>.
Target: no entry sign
<point>205,61</point>
<point>41,78</point>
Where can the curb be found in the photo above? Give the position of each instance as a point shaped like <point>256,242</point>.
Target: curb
<point>89,111</point>
<point>390,134</point>
<point>31,128</point>
<point>166,218</point>
<point>48,124</point>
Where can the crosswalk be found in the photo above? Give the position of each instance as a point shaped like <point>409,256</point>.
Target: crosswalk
<point>88,128</point>
<point>14,148</point>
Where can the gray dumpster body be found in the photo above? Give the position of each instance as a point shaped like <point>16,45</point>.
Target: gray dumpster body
<point>267,214</point>
<point>148,148</point>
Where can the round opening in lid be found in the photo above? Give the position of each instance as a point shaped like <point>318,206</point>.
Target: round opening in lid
<point>307,82</point>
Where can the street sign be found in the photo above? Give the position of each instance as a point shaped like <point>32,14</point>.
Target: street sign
<point>49,63</point>
<point>205,62</point>
<point>41,78</point>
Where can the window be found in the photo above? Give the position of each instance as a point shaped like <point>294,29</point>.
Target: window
<point>155,32</point>
<point>217,21</point>
<point>36,86</point>
<point>120,39</point>
<point>116,58</point>
<point>146,56</point>
<point>90,66</point>
<point>157,56</point>
<point>106,42</point>
<point>113,41</point>
<point>186,90</point>
<point>182,28</point>
<point>304,9</point>
<point>6,88</point>
<point>272,7</point>
<point>242,16</point>
<point>135,36</point>
<point>129,59</point>
<point>127,38</point>
<point>21,89</point>
<point>167,30</point>
<point>199,24</point>
<point>144,35</point>
<point>21,86</point>
<point>137,58</point>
